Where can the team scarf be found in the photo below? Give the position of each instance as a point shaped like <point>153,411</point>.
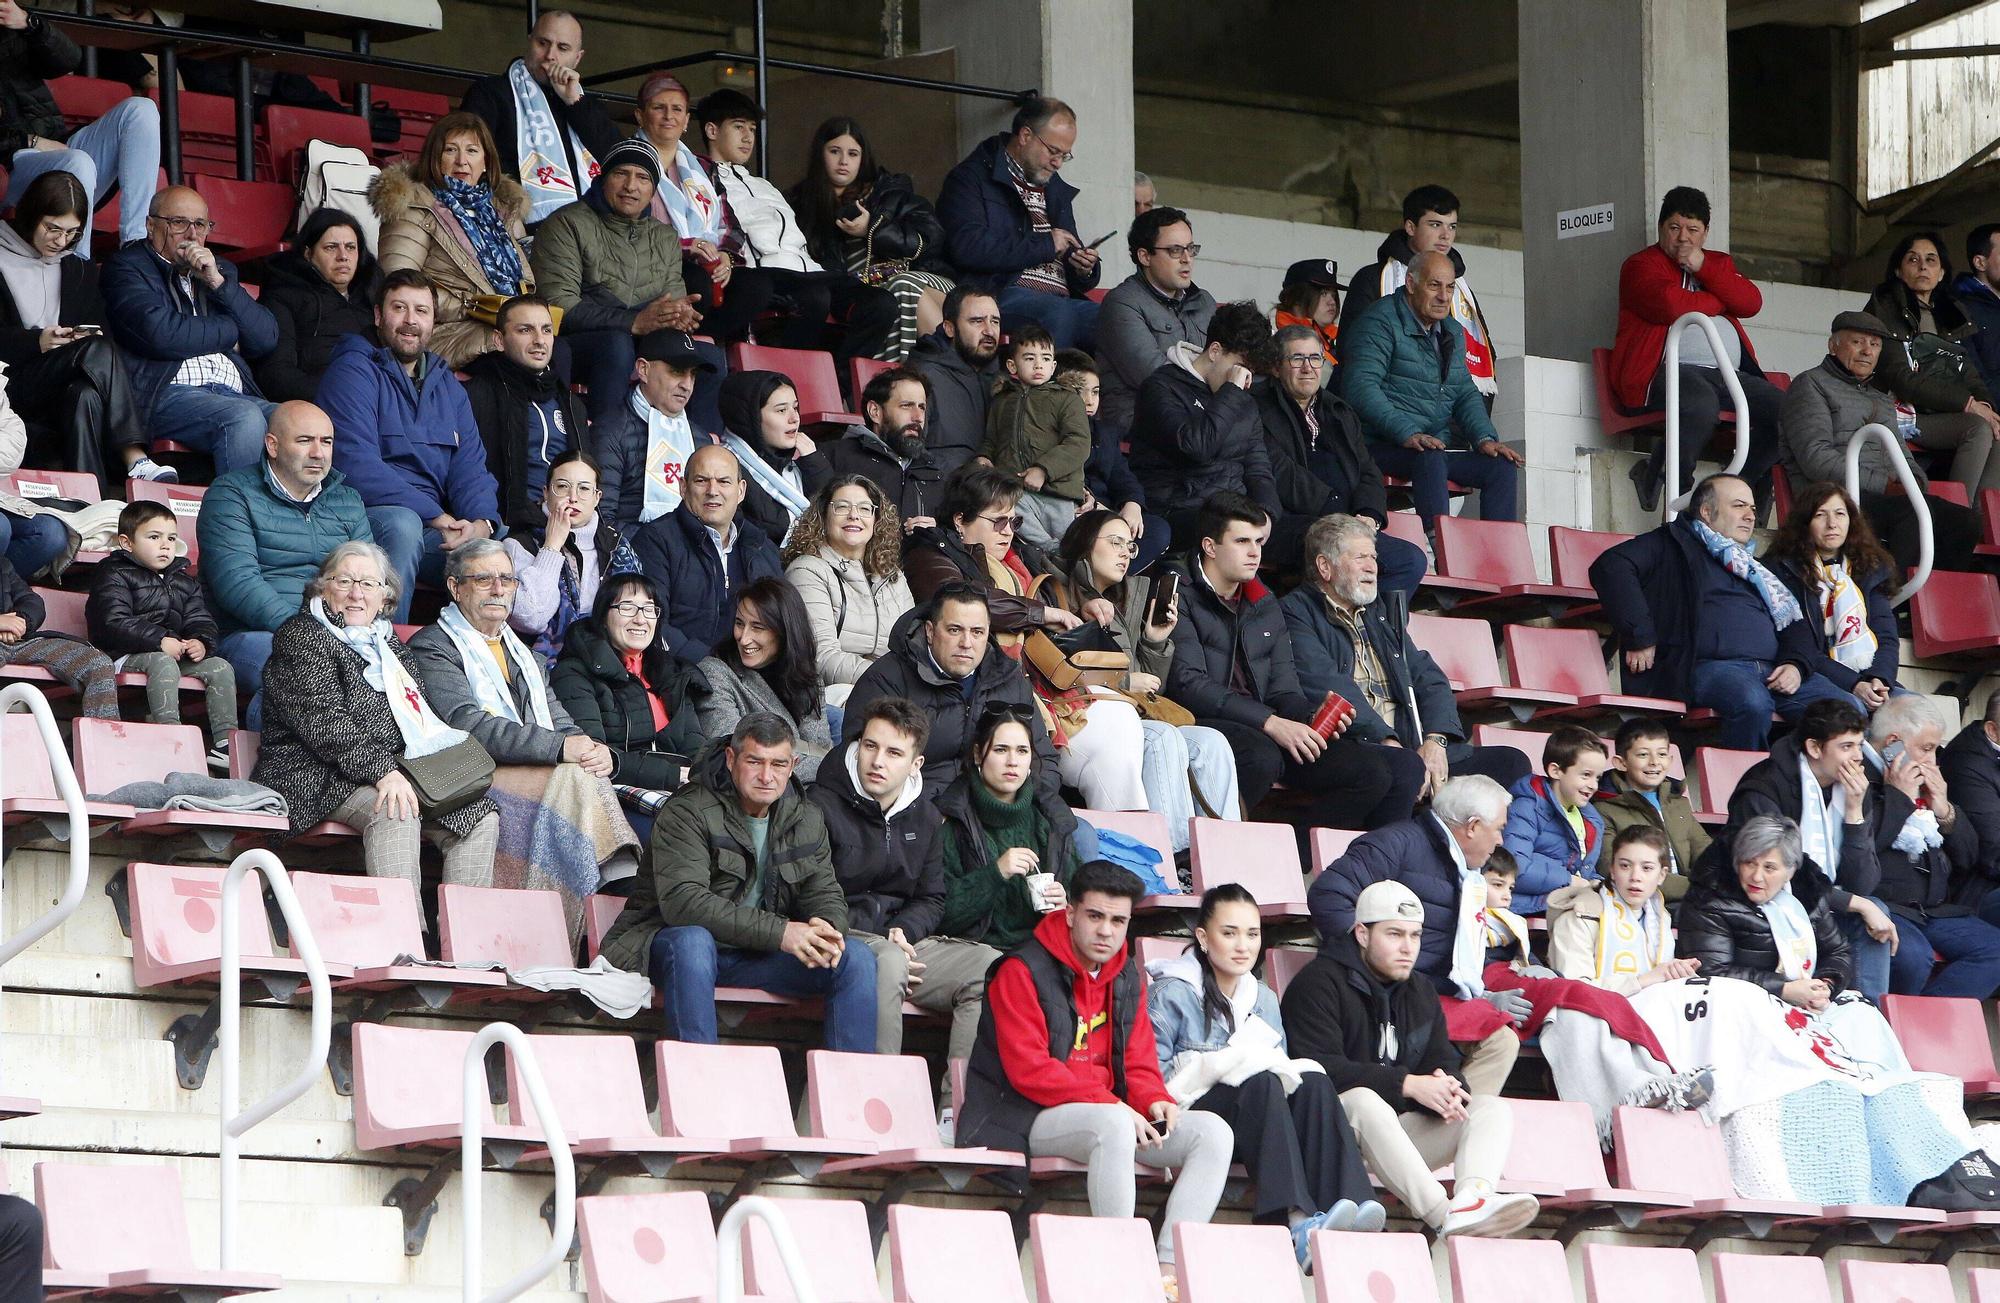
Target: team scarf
<point>423,732</point>
<point>1739,560</point>
<point>686,198</point>
<point>1464,310</point>
<point>1631,942</point>
<point>488,688</point>
<point>538,140</point>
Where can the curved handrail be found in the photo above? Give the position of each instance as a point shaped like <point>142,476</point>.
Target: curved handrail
<point>471,1169</point>
<point>729,1250</point>
<point>1671,504</point>
<point>26,694</point>
<point>1919,501</point>
<point>236,1124</point>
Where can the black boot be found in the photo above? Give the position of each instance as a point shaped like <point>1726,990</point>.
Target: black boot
<point>1968,1185</point>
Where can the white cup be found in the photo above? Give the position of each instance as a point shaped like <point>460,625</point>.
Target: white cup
<point>1042,887</point>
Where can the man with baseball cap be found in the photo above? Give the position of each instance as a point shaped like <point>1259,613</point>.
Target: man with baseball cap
<point>643,445</point>
<point>1381,1038</point>
<point>1826,405</point>
<point>1310,297</point>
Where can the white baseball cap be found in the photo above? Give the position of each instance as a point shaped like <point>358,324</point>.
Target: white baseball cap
<point>1380,902</point>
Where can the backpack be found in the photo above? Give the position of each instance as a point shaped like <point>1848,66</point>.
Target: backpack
<point>334,176</point>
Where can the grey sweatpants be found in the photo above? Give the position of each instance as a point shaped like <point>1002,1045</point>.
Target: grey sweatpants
<point>163,689</point>
<point>953,982</point>
<point>1101,1135</point>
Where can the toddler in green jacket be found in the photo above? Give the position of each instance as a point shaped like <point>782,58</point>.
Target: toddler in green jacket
<point>1038,430</point>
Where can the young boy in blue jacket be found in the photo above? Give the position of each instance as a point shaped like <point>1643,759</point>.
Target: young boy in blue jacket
<point>1552,829</point>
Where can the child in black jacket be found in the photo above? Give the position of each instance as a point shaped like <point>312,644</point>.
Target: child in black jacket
<point>1107,474</point>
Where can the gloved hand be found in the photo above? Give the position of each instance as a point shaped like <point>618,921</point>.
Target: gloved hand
<point>1516,1006</point>
<point>1536,970</point>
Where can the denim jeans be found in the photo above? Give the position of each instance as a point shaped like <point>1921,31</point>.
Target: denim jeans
<point>1734,689</point>
<point>31,542</point>
<point>416,551</point>
<point>687,965</point>
<point>123,147</point>
<point>247,651</point>
<point>1172,757</point>
<point>1072,323</point>
<point>1431,473</point>
<point>1872,964</point>
<point>1971,951</point>
<point>226,425</point>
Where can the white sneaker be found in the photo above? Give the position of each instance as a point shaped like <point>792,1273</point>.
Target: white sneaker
<point>148,469</point>
<point>1477,1211</point>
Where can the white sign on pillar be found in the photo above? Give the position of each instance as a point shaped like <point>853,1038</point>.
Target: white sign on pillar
<point>1594,220</point>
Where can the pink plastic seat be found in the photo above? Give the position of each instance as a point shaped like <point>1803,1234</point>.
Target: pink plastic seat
<point>31,484</point>
<point>1555,1156</point>
<point>177,928</point>
<point>1219,1262</point>
<point>31,782</point>
<point>1945,1035</point>
<point>593,1081</point>
<point>1896,1282</point>
<point>1283,963</point>
<point>364,924</point>
<point>1094,1260</point>
<point>142,1246</point>
<point>1508,1271</point>
<point>833,1238</point>
<point>1717,770</point>
<point>250,216</point>
<point>811,373</point>
<point>1380,1268</point>
<point>111,753</point>
<point>1681,1154</point>
<point>406,1090</point>
<point>885,1100</point>
<point>67,611</point>
<point>1407,526</point>
<point>1956,614</point>
<point>1262,857</point>
<point>1630,1273</point>
<point>953,1255</point>
<point>1496,554</point>
<point>736,1094</point>
<point>1328,845</point>
<point>517,928</point>
<point>643,1248</point>
<point>1463,649</point>
<point>184,500</point>
<point>244,746</point>
<point>1571,554</point>
<point>1151,830</point>
<point>1982,1283</point>
<point>1571,662</point>
<point>1772,1278</point>
<point>860,370</point>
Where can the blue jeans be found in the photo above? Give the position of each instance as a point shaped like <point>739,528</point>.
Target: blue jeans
<point>1872,964</point>
<point>1399,564</point>
<point>415,551</point>
<point>31,542</point>
<point>123,147</point>
<point>687,965</point>
<point>1430,475</point>
<point>1071,322</point>
<point>1734,689</point>
<point>226,425</point>
<point>1971,951</point>
<point>246,653</point>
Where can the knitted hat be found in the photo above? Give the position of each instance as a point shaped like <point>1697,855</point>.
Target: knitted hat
<point>636,151</point>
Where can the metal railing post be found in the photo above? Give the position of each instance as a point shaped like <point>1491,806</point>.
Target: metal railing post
<point>477,1104</point>
<point>236,1124</point>
<point>763,89</point>
<point>26,694</point>
<point>1672,502</point>
<point>729,1250</point>
<point>1919,501</point>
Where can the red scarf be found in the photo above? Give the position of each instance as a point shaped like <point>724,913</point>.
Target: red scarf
<point>633,661</point>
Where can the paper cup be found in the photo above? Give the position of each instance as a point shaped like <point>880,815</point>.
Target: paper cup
<point>1039,886</point>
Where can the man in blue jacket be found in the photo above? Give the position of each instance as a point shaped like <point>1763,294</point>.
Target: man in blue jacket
<point>1404,367</point>
<point>186,327</point>
<point>1010,224</point>
<point>703,552</point>
<point>1978,291</point>
<point>405,437</point>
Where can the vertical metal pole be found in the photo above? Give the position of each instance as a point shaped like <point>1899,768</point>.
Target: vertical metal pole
<point>534,13</point>
<point>363,92</point>
<point>246,122</point>
<point>88,8</point>
<point>170,113</point>
<point>763,104</point>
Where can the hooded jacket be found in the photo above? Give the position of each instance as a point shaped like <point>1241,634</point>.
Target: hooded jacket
<point>157,327</point>
<point>1773,786</point>
<point>1212,635</point>
<point>1931,371</point>
<point>1298,460</point>
<point>1362,1030</point>
<point>959,397</point>
<point>1137,328</point>
<point>312,316</point>
<point>609,702</point>
<point>851,613</point>
<point>1416,853</point>
<point>1401,386</point>
<point>601,268</point>
<point>504,397</point>
<point>1190,442</point>
<point>1971,767</point>
<point>131,609</point>
<point>916,489</point>
<point>1982,308</point>
<point>887,860</point>
<point>991,238</point>
<point>1881,620</point>
<point>1652,297</point>
<point>79,302</point>
<point>1719,925</point>
<point>404,442</point>
<point>420,232</point>
<point>1545,845</point>
<point>1039,425</point>
<point>1623,806</point>
<point>264,547</point>
<point>1821,410</point>
<point>1323,653</point>
<point>678,555</point>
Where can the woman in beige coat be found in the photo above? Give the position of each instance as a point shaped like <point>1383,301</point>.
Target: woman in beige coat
<point>454,216</point>
<point>845,558</point>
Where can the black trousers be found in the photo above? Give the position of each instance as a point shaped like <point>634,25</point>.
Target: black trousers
<point>1351,784</point>
<point>1505,765</point>
<point>1954,529</point>
<point>20,1251</point>
<point>81,393</point>
<point>747,297</point>
<point>868,311</point>
<point>1299,1150</point>
<point>1703,396</point>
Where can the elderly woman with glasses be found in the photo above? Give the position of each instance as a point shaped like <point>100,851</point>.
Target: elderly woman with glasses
<point>561,826</point>
<point>344,704</point>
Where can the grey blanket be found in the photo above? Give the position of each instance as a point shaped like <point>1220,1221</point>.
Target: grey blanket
<point>204,793</point>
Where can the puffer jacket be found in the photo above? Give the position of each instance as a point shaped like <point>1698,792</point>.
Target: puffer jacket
<point>1544,844</point>
<point>1190,442</point>
<point>1416,853</point>
<point>1720,926</point>
<point>405,442</point>
<point>420,232</point>
<point>901,224</point>
<point>1933,372</point>
<point>959,397</point>
<point>30,58</point>
<point>600,268</point>
<point>1821,410</point>
<point>1181,1024</point>
<point>312,316</point>
<point>608,702</point>
<point>504,396</point>
<point>1623,806</point>
<point>679,556</point>
<point>1209,637</point>
<point>851,613</point>
<point>131,609</point>
<point>1137,328</point>
<point>888,860</point>
<point>1400,386</point>
<point>1039,425</point>
<point>1773,786</point>
<point>264,547</point>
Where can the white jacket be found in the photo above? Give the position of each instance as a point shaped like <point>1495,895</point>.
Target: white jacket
<point>770,229</point>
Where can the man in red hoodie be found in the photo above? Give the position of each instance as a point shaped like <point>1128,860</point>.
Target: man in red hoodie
<point>1064,1063</point>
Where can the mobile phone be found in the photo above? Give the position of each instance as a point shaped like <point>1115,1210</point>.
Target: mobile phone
<point>1102,238</point>
<point>1893,752</point>
<point>850,210</point>
<point>87,330</point>
<point>1165,589</point>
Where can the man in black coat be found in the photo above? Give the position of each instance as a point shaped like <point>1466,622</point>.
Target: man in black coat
<point>884,832</point>
<point>578,118</point>
<point>1233,670</point>
<point>1971,764</point>
<point>528,418</point>
<point>959,360</point>
<point>702,553</point>
<point>890,448</point>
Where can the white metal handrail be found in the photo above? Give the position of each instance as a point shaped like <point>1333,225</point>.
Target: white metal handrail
<point>25,694</point>
<point>236,1123</point>
<point>729,1250</point>
<point>1703,322</point>
<point>471,1152</point>
<point>1919,501</point>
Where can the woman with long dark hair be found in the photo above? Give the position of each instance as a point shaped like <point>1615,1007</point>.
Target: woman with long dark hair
<point>1827,554</point>
<point>874,225</point>
<point>1213,1018</point>
<point>781,463</point>
<point>768,663</point>
<point>576,548</point>
<point>321,288</point>
<point>1925,363</point>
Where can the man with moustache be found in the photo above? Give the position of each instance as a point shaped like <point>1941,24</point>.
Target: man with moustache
<point>406,439</point>
<point>642,448</point>
<point>540,112</point>
<point>527,416</point>
<point>890,449</point>
<point>958,360</point>
<point>703,552</point>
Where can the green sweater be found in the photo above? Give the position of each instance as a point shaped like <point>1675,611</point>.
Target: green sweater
<point>976,892</point>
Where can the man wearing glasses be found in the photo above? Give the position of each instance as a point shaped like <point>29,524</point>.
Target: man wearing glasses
<point>1150,311</point>
<point>186,327</point>
<point>1010,224</point>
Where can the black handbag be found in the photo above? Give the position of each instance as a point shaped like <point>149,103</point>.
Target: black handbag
<point>450,779</point>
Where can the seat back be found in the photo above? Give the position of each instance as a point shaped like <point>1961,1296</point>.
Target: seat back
<point>184,500</point>
<point>360,922</point>
<point>1573,551</point>
<point>519,927</point>
<point>1528,741</point>
<point>1234,1263</point>
<point>860,370</point>
<point>640,1248</point>
<point>1989,524</point>
<point>1942,1034</point>
<point>1896,1282</point>
<point>244,746</point>
<point>1508,1271</point>
<point>884,1099</point>
<point>1283,963</point>
<point>1569,661</point>
<point>1094,1260</point>
<point>1262,857</point>
<point>177,919</point>
<point>31,484</point>
<point>27,765</point>
<point>1954,610</point>
<point>953,1255</point>
<point>593,1082</point>
<point>1141,826</point>
<point>1982,1284</point>
<point>1766,1277</point>
<point>249,215</point>
<point>288,130</point>
<point>1409,527</point>
<point>1463,649</point>
<point>810,371</point>
<point>1151,950</point>
<point>1718,770</point>
<point>102,1218</point>
<point>1491,551</point>
<point>1673,1153</point>
<point>722,1092</point>
<point>599,913</point>
<point>832,1235</point>
<point>1349,1267</point>
<point>1328,845</point>
<point>65,611</point>
<point>406,1084</point>
<point>1631,1273</point>
<point>1554,1146</point>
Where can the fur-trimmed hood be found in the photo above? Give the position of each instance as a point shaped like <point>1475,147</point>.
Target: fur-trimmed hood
<point>397,189</point>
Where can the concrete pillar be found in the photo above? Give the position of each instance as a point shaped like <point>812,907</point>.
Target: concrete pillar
<point>1619,103</point>
<point>1079,51</point>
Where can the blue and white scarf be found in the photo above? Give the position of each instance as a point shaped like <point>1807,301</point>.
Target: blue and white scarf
<point>538,143</point>
<point>783,485</point>
<point>499,258</point>
<point>669,443</point>
<point>1822,823</point>
<point>423,732</point>
<point>572,603</point>
<point>488,688</point>
<point>1792,935</point>
<point>1740,560</point>
<point>689,202</point>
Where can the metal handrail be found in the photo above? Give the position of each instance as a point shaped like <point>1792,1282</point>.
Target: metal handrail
<point>237,1123</point>
<point>729,1250</point>
<point>1919,501</point>
<point>26,694</point>
<point>1671,504</point>
<point>471,1150</point>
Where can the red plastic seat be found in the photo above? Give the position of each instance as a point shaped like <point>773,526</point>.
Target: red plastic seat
<point>517,928</point>
<point>735,1002</point>
<point>860,370</point>
<point>1717,770</point>
<point>1610,413</point>
<point>1945,1035</point>
<point>1328,845</point>
<point>31,782</point>
<point>1463,649</point>
<point>1262,857</point>
<point>953,1255</point>
<point>1496,555</point>
<point>1217,1262</point>
<point>364,924</point>
<point>177,928</point>
<point>1571,554</point>
<point>111,753</point>
<point>1555,1156</point>
<point>810,372</point>
<point>1139,825</point>
<point>1571,662</point>
<point>1349,1267</point>
<point>736,1094</point>
<point>250,217</point>
<point>1409,527</point>
<point>1631,1273</point>
<point>288,130</point>
<point>125,1224</point>
<point>208,134</point>
<point>1956,614</point>
<point>641,1248</point>
<point>64,610</point>
<point>885,1100</point>
<point>1094,1260</point>
<point>1508,1271</point>
<point>83,100</point>
<point>1896,1282</point>
<point>832,1235</point>
<point>184,500</point>
<point>1989,523</point>
<point>1770,1277</point>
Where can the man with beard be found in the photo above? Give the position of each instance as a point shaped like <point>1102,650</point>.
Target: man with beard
<point>959,360</point>
<point>540,112</point>
<point>528,418</point>
<point>890,449</point>
<point>405,438</point>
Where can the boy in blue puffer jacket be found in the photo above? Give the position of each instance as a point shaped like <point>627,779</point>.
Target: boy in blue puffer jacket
<point>1552,829</point>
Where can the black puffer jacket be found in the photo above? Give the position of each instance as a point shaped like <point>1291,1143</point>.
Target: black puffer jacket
<point>132,608</point>
<point>888,861</point>
<point>608,702</point>
<point>1190,442</point>
<point>1211,635</point>
<point>312,316</point>
<point>959,395</point>
<point>1933,371</point>
<point>1773,786</point>
<point>18,598</point>
<point>901,224</point>
<point>29,59</point>
<point>1721,927</point>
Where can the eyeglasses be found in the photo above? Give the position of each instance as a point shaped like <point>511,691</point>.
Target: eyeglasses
<point>65,236</point>
<point>499,583</point>
<point>341,584</point>
<point>636,610</point>
<point>183,225</point>
<point>582,490</point>
<point>1056,156</point>
<point>865,510</point>
<point>1313,360</point>
<point>1002,524</point>
<point>1129,546</point>
<point>1178,250</point>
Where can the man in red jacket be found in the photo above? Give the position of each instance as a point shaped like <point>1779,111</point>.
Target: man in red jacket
<point>1656,287</point>
<point>1064,1064</point>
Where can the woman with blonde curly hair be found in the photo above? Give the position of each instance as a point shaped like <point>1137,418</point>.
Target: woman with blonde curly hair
<point>845,557</point>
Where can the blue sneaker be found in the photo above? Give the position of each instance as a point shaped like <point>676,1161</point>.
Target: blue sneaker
<point>1302,1239</point>
<point>1370,1216</point>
